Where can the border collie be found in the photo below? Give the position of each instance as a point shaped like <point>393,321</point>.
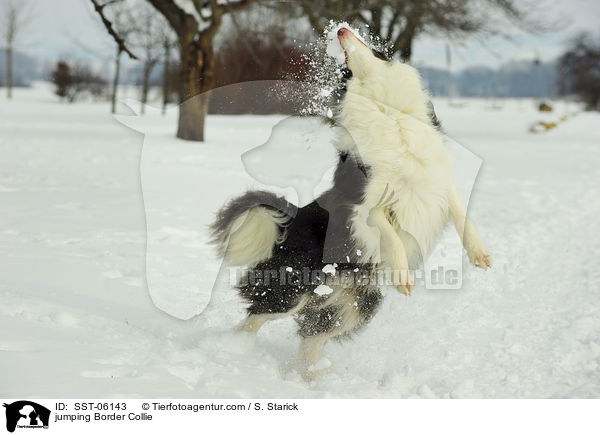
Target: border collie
<point>391,198</point>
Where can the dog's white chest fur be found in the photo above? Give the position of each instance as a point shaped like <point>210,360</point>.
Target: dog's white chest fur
<point>385,122</point>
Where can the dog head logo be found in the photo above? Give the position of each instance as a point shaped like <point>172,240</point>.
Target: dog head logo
<point>26,414</point>
<point>184,184</point>
<point>298,150</point>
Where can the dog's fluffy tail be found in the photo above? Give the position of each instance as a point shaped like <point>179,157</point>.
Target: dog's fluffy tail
<point>248,227</point>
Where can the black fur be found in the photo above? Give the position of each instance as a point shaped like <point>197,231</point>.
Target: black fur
<point>348,189</point>
<point>315,319</point>
<point>270,287</point>
<point>340,91</point>
<point>434,119</point>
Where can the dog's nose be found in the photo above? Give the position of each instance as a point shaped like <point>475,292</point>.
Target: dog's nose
<point>342,31</point>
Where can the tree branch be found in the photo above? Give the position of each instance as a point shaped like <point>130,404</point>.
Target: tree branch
<point>218,10</point>
<point>181,22</point>
<point>241,37</point>
<point>239,4</point>
<point>109,28</point>
<point>215,19</point>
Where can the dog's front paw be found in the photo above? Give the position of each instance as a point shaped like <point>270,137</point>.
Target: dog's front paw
<point>406,290</point>
<point>480,258</point>
<point>403,281</point>
<point>397,266</point>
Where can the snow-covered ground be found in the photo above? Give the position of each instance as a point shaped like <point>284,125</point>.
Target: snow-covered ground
<point>77,317</point>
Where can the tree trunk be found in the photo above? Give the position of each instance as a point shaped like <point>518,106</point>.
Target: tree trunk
<point>197,79</point>
<point>9,71</point>
<point>406,51</point>
<point>404,45</point>
<point>116,81</point>
<point>145,83</point>
<point>165,84</point>
<point>404,41</point>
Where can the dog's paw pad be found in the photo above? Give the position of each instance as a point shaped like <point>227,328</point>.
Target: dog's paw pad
<point>481,259</point>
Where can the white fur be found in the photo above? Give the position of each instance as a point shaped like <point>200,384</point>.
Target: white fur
<point>253,235</point>
<point>385,122</point>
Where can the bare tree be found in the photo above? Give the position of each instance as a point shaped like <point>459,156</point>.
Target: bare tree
<point>579,70</point>
<point>397,23</point>
<point>74,81</point>
<point>124,26</point>
<point>195,23</point>
<point>120,28</point>
<point>166,41</point>
<point>62,78</point>
<point>16,16</point>
<point>169,42</point>
<point>152,38</point>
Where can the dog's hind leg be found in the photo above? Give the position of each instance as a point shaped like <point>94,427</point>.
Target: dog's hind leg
<point>336,315</point>
<point>253,323</point>
<point>310,354</point>
<point>255,320</point>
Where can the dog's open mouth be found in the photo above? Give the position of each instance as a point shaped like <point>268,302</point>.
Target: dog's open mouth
<point>344,33</point>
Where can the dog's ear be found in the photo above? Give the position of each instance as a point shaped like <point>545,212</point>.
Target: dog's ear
<point>380,55</point>
<point>5,405</point>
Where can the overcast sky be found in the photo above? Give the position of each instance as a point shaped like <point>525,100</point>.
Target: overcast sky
<point>68,29</point>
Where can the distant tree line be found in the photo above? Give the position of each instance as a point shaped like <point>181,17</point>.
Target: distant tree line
<point>517,79</point>
<point>235,64</point>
